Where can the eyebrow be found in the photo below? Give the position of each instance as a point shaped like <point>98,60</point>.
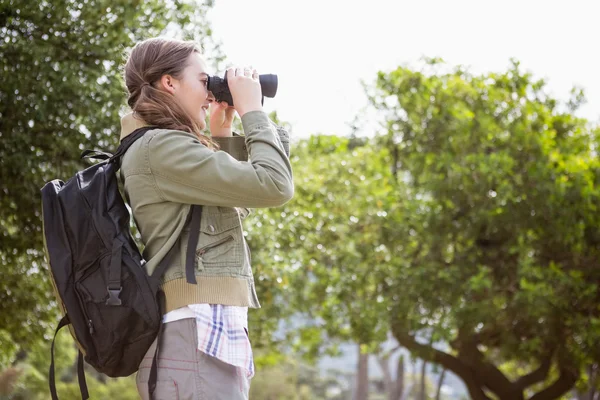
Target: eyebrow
<point>203,73</point>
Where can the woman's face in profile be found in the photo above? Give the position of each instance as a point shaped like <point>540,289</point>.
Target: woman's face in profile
<point>191,91</point>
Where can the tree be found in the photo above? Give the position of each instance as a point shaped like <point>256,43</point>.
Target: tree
<point>499,243</point>
<point>62,93</point>
<point>362,376</point>
<point>394,386</point>
<point>438,391</point>
<point>471,232</point>
<point>271,274</point>
<point>313,256</point>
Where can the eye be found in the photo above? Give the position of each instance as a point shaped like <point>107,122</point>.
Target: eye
<point>204,82</point>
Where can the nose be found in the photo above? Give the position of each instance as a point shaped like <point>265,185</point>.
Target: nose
<point>210,97</point>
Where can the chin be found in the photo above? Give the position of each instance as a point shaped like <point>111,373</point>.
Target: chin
<point>202,124</point>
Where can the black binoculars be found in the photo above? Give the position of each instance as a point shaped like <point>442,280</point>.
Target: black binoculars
<point>220,88</point>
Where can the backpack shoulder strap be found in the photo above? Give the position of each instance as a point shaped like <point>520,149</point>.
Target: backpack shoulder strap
<point>80,372</point>
<point>129,140</point>
<point>194,218</point>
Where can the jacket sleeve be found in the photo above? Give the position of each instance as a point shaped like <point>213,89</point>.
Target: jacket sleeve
<point>236,145</point>
<point>284,138</point>
<point>186,171</point>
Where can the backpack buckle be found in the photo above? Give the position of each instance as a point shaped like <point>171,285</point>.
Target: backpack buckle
<point>113,296</point>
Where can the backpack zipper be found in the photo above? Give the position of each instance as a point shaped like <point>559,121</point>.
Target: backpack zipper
<point>204,249</point>
<point>83,309</point>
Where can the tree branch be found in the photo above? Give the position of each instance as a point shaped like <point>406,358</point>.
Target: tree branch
<point>562,385</point>
<point>568,370</point>
<point>536,376</point>
<point>486,372</point>
<point>446,360</point>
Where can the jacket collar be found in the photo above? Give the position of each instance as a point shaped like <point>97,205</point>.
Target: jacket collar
<point>130,123</point>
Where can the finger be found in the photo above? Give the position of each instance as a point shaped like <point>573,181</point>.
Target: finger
<point>247,71</point>
<point>254,74</point>
<point>239,71</point>
<point>217,106</point>
<point>230,72</point>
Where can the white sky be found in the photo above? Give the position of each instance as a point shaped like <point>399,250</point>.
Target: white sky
<point>321,50</point>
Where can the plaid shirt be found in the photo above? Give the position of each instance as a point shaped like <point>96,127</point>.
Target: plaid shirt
<point>222,332</point>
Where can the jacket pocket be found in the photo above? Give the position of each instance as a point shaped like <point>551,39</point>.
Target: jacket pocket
<point>220,244</point>
<point>202,251</point>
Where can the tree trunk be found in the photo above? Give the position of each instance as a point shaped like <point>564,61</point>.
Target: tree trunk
<point>388,382</point>
<point>362,377</point>
<point>422,389</point>
<point>480,375</point>
<point>594,373</point>
<point>393,386</point>
<point>400,379</point>
<point>8,380</point>
<point>440,383</point>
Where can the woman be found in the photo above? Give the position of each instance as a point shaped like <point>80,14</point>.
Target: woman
<point>204,352</point>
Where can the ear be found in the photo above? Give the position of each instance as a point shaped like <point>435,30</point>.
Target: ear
<point>168,84</point>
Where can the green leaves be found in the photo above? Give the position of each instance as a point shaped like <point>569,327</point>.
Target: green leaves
<point>62,93</point>
<point>507,187</point>
<point>322,255</point>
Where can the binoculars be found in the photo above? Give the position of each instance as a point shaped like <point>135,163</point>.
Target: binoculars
<point>220,88</point>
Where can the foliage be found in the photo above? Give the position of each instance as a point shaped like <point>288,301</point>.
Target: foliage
<point>32,383</point>
<point>469,230</point>
<point>316,253</point>
<point>499,250</point>
<point>294,379</point>
<point>63,93</point>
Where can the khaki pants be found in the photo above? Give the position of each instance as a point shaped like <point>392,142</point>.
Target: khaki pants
<point>186,373</point>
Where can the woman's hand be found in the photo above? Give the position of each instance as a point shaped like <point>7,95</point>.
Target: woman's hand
<point>245,89</point>
<point>221,119</point>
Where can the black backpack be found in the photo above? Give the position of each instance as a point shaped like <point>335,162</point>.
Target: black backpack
<point>112,305</point>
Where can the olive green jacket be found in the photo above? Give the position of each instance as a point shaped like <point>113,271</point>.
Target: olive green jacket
<point>166,171</point>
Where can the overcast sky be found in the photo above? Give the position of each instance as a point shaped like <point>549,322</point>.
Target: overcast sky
<point>321,50</point>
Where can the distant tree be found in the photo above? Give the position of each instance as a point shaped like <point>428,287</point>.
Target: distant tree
<point>469,229</point>
<point>498,247</point>
<point>394,385</point>
<point>589,388</point>
<point>313,257</point>
<point>438,392</point>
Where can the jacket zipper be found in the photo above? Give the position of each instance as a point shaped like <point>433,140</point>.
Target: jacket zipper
<point>204,249</point>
